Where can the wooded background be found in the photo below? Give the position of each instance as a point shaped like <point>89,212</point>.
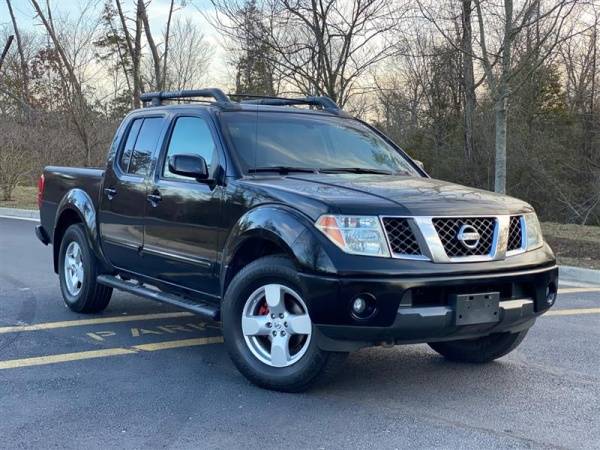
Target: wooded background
<point>497,94</point>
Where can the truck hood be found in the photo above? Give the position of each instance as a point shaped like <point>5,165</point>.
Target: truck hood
<point>386,194</point>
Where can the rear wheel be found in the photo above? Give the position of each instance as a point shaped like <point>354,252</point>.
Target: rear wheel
<point>77,271</point>
<point>480,350</point>
<point>268,330</point>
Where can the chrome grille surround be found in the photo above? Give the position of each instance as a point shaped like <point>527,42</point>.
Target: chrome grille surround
<point>433,249</point>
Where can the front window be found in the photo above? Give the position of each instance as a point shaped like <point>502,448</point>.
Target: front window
<point>191,136</point>
<point>306,141</point>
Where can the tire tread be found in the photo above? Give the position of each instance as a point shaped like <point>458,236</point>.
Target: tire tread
<point>481,350</point>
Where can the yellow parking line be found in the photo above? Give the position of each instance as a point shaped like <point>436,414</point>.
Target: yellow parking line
<point>65,357</point>
<point>78,356</point>
<point>573,290</point>
<point>181,343</point>
<point>572,312</point>
<point>84,322</point>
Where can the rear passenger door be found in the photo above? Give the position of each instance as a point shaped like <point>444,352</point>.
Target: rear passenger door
<point>182,225</point>
<point>123,197</point>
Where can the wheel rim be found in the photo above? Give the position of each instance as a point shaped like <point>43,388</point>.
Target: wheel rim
<point>276,325</point>
<point>74,274</point>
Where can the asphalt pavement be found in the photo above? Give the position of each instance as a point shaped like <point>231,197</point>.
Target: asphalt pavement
<point>146,375</point>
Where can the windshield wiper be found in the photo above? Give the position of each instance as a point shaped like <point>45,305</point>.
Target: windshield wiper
<point>356,170</point>
<point>282,169</point>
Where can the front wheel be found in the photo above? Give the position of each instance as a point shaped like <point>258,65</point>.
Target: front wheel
<point>268,330</point>
<point>77,271</point>
<point>480,350</point>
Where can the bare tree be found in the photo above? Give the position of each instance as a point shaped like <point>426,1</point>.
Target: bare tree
<point>189,56</point>
<point>23,60</point>
<point>321,47</point>
<point>141,7</point>
<point>134,47</point>
<point>72,67</point>
<point>500,28</point>
<point>165,55</point>
<point>9,42</point>
<point>15,160</point>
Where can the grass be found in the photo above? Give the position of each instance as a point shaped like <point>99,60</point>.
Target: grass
<point>24,197</point>
<point>574,245</point>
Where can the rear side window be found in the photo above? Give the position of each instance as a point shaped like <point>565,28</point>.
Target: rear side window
<point>129,144</point>
<point>140,145</point>
<point>192,136</point>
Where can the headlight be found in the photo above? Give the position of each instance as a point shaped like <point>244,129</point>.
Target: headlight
<point>533,229</point>
<point>360,235</point>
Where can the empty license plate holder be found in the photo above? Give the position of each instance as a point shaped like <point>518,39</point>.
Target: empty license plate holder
<point>472,309</point>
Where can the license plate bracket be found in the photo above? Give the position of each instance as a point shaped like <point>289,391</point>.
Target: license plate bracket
<point>473,309</point>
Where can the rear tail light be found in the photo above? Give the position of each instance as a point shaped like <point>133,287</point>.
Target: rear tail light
<point>40,193</point>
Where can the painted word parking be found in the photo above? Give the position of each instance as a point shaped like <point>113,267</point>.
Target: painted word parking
<point>158,330</point>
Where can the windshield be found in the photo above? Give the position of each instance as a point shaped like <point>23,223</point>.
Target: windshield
<point>290,141</point>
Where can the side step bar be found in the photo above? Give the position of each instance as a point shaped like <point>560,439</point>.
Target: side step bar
<point>203,309</point>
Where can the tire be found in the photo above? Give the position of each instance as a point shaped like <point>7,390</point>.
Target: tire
<point>480,350</point>
<point>86,295</point>
<point>305,363</point>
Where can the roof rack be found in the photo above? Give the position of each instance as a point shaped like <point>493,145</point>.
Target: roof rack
<point>323,101</point>
<point>157,97</point>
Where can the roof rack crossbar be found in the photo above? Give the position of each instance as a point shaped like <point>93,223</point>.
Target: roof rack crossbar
<point>322,101</point>
<point>157,97</point>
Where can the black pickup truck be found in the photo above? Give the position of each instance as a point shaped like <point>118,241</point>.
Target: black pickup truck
<point>305,231</point>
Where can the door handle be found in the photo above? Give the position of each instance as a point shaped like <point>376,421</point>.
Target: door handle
<point>154,198</point>
<point>110,193</point>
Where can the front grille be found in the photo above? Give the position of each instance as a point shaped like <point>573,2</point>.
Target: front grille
<point>401,237</point>
<point>448,229</point>
<point>515,233</point>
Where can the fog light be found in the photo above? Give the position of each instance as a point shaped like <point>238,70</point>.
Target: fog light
<point>359,306</point>
<point>363,306</point>
<point>550,294</point>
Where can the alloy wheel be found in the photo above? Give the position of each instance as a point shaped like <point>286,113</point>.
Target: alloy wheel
<point>276,325</point>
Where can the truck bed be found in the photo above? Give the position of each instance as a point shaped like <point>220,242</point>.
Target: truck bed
<point>60,180</point>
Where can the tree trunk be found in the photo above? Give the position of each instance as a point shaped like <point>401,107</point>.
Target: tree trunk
<point>501,109</point>
<point>165,55</point>
<point>24,67</point>
<point>134,48</point>
<point>468,79</point>
<point>152,45</point>
<point>135,60</point>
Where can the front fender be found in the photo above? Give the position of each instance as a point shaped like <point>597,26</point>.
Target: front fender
<point>78,201</point>
<point>286,228</point>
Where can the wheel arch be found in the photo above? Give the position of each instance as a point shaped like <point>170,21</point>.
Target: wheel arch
<point>269,230</point>
<point>76,207</point>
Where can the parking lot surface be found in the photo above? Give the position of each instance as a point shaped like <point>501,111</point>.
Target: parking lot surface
<point>145,375</point>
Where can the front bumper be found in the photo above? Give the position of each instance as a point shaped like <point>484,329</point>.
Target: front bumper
<point>419,309</point>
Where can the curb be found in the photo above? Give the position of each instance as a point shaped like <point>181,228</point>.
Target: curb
<point>579,274</point>
<point>29,214</point>
<point>567,273</point>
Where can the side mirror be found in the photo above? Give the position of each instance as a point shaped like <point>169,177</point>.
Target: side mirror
<point>420,164</point>
<point>193,166</point>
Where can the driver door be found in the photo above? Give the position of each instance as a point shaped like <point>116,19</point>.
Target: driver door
<point>181,226</point>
